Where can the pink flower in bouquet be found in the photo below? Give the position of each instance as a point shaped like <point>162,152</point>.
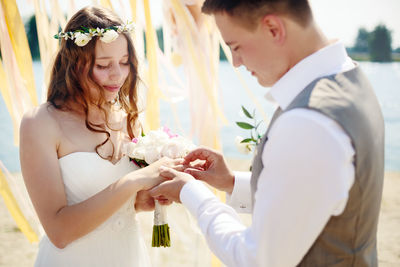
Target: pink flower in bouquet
<point>168,131</point>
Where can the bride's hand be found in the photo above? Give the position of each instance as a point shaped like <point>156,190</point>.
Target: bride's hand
<point>150,175</point>
<point>145,202</point>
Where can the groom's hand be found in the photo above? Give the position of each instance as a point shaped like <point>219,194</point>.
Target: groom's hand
<point>213,170</point>
<point>171,188</point>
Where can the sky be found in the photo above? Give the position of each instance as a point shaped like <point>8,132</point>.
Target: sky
<point>338,19</point>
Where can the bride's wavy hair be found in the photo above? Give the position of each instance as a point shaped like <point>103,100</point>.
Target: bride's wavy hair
<point>71,79</point>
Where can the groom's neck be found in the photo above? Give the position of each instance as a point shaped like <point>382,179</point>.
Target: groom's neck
<point>303,41</point>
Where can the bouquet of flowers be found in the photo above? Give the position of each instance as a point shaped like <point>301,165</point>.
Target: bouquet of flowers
<point>148,149</point>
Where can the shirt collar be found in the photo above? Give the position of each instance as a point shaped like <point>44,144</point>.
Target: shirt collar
<point>329,60</point>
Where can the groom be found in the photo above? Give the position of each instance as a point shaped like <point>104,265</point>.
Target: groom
<point>316,181</point>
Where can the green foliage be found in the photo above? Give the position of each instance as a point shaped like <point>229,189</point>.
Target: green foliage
<point>255,136</point>
<point>31,32</point>
<point>160,38</point>
<point>373,46</point>
<point>380,44</point>
<point>397,50</point>
<point>244,125</point>
<point>361,45</point>
<point>222,55</point>
<point>248,115</point>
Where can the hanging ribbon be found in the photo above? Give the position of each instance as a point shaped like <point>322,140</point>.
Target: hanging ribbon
<point>14,209</point>
<point>20,46</point>
<point>152,107</point>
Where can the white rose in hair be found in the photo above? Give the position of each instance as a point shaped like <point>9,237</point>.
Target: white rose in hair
<point>81,39</point>
<point>109,36</point>
<point>130,26</point>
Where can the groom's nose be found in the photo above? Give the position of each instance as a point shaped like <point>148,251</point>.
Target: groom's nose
<point>236,60</point>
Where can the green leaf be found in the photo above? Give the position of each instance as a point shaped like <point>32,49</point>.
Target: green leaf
<point>246,113</point>
<point>85,29</point>
<point>247,140</point>
<point>244,125</point>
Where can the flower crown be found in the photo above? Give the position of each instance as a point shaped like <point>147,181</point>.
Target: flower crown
<point>82,36</point>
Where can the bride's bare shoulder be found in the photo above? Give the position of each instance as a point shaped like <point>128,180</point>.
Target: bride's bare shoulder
<point>41,118</point>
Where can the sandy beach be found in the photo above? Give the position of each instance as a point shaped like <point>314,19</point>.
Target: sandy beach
<point>16,251</point>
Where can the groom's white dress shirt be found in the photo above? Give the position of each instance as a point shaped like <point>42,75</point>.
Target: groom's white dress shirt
<point>308,172</point>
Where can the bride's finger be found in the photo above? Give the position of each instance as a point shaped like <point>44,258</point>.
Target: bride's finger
<point>178,161</point>
<point>200,165</point>
<point>179,168</point>
<point>164,201</point>
<point>167,172</point>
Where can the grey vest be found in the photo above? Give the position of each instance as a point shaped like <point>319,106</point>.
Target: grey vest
<point>350,238</point>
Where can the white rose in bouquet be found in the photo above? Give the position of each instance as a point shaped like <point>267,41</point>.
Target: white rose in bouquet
<point>177,147</point>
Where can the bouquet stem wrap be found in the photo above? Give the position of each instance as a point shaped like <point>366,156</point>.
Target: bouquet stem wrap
<point>161,237</point>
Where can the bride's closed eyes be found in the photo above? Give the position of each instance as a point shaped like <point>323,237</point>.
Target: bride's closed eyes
<point>103,67</point>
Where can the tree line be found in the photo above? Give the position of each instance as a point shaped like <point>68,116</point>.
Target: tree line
<point>375,45</point>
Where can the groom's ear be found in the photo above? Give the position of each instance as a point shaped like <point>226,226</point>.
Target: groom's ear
<point>274,26</point>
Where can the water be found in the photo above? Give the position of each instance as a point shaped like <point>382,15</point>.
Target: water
<point>385,79</point>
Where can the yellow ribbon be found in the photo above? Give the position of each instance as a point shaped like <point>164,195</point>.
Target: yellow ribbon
<point>15,211</point>
<point>200,68</point>
<point>133,10</point>
<point>152,106</point>
<point>20,46</point>
<point>106,3</point>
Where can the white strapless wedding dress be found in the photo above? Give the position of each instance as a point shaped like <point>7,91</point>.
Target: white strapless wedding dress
<point>116,242</point>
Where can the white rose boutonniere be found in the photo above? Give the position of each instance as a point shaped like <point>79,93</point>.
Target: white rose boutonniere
<point>244,148</point>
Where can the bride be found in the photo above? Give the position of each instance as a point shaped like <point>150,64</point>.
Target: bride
<point>85,191</point>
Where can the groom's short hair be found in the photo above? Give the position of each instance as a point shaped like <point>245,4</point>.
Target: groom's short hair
<point>250,11</point>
